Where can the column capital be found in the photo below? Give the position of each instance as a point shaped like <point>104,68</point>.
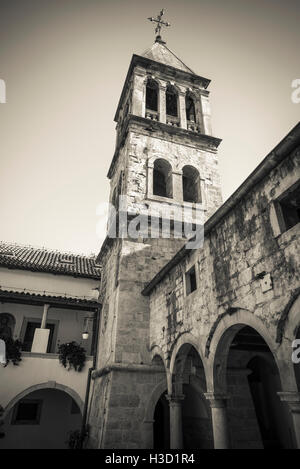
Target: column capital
<point>162,86</point>
<point>292,399</point>
<point>216,400</point>
<point>174,400</point>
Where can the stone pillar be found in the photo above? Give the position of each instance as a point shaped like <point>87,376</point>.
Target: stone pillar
<point>44,318</point>
<point>176,439</point>
<point>162,103</point>
<point>177,186</point>
<point>182,110</point>
<point>218,404</point>
<point>206,113</point>
<point>150,167</point>
<point>41,335</point>
<point>293,402</point>
<point>138,97</point>
<point>148,434</point>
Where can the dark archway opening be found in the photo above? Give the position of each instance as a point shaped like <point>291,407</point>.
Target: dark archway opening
<point>161,425</point>
<point>256,417</point>
<point>152,96</point>
<point>189,380</point>
<point>43,419</point>
<point>260,382</point>
<point>171,102</point>
<point>190,109</point>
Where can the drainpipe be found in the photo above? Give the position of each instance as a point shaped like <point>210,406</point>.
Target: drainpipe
<point>95,340</point>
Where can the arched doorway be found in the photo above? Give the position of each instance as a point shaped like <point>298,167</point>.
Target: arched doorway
<point>246,370</point>
<point>42,419</point>
<point>190,382</point>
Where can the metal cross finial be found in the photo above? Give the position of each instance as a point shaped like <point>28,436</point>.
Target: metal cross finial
<point>159,22</point>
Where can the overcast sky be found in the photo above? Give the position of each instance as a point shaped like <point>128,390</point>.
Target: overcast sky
<point>64,63</point>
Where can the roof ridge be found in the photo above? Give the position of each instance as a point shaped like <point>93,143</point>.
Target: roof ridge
<point>164,45</point>
<point>44,249</point>
<point>160,53</point>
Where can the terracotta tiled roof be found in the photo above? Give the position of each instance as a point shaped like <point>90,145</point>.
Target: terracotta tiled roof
<point>15,256</point>
<point>59,300</point>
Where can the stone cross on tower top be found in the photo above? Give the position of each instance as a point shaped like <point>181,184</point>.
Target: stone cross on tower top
<point>160,24</point>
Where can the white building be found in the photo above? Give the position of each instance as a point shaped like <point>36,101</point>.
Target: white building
<point>46,299</point>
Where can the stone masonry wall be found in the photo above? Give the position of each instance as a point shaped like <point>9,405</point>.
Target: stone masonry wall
<point>240,248</point>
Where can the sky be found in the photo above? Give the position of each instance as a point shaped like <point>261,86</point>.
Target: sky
<point>64,63</point>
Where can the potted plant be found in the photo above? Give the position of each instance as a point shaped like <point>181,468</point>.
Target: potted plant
<point>72,355</point>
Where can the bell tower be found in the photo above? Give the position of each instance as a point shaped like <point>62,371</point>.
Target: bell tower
<point>164,150</point>
<point>165,155</point>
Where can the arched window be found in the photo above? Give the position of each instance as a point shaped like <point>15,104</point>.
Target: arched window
<point>162,178</point>
<point>7,325</point>
<point>191,184</point>
<point>152,95</point>
<point>171,101</point>
<point>190,108</point>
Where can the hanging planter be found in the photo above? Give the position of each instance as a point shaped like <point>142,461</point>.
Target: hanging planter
<point>72,355</point>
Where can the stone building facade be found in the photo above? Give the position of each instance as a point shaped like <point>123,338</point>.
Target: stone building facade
<point>195,345</point>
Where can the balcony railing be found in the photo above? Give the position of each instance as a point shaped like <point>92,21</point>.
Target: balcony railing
<point>192,126</point>
<point>153,115</point>
<point>174,121</point>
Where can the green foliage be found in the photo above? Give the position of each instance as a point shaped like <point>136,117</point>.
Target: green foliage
<point>72,355</point>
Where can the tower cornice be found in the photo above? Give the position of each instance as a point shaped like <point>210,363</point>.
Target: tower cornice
<point>142,124</point>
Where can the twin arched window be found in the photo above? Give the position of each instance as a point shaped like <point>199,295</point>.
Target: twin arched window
<point>162,178</point>
<point>163,184</point>
<point>152,92</point>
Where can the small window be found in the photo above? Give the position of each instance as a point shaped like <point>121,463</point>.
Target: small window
<point>288,208</point>
<point>27,412</point>
<point>31,326</point>
<point>190,281</point>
